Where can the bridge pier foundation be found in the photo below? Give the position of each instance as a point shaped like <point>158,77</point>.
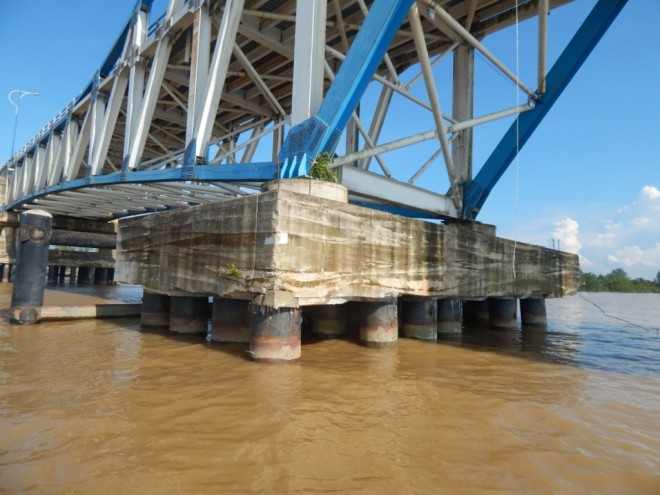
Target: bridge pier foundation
<point>189,314</point>
<point>275,333</point>
<point>61,275</point>
<point>476,312</point>
<point>100,275</point>
<point>53,274</point>
<point>299,244</point>
<point>85,275</point>
<point>73,274</point>
<point>379,326</point>
<point>532,311</point>
<point>503,313</point>
<point>419,318</point>
<point>230,321</point>
<point>155,310</point>
<point>449,316</point>
<point>328,320</point>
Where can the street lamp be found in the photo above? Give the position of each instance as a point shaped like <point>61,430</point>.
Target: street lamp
<point>21,94</point>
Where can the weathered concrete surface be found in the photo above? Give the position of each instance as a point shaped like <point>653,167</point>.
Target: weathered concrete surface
<point>292,249</point>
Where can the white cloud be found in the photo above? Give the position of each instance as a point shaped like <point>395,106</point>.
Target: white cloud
<point>641,221</point>
<point>631,256</point>
<point>566,232</point>
<point>606,239</point>
<point>650,193</point>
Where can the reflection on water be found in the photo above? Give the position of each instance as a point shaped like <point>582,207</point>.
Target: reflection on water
<point>103,407</point>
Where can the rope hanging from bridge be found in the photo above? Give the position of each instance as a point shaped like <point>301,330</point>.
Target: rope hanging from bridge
<point>517,171</point>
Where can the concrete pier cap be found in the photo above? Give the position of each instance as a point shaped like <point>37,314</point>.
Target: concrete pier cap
<point>310,187</point>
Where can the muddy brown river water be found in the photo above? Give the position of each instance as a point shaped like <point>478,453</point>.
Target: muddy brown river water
<point>96,407</point>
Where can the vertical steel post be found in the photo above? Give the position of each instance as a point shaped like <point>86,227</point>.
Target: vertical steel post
<point>449,316</point>
<point>379,323</point>
<point>100,276</point>
<point>85,275</point>
<point>419,318</point>
<point>155,310</point>
<point>230,320</point>
<point>275,333</point>
<point>503,313</point>
<point>189,314</point>
<point>532,311</point>
<point>27,296</point>
<point>309,58</point>
<point>329,320</point>
<point>463,102</point>
<point>53,274</point>
<point>475,311</point>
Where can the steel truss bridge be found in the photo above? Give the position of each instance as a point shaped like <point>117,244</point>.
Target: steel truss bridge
<point>218,96</point>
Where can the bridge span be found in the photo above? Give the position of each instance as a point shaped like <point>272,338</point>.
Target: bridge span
<point>216,97</point>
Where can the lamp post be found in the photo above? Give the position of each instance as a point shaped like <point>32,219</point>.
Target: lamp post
<point>21,94</point>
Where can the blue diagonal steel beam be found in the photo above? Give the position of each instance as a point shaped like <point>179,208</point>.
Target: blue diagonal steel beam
<point>576,52</point>
<point>322,132</point>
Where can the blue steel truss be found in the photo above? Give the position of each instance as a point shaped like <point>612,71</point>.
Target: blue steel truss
<point>476,191</point>
<point>322,131</point>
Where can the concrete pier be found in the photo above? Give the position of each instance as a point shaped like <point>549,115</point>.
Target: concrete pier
<point>155,310</point>
<point>379,325</point>
<point>189,314</point>
<point>53,274</point>
<point>100,275</point>
<point>419,318</point>
<point>328,320</point>
<point>85,275</point>
<point>532,311</point>
<point>61,275</point>
<point>230,321</point>
<point>275,333</point>
<point>503,313</point>
<point>300,244</point>
<point>449,316</point>
<point>476,312</point>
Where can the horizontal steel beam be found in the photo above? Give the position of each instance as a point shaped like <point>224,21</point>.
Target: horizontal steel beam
<point>368,185</point>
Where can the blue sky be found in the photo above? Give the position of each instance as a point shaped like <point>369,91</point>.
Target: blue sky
<point>589,178</point>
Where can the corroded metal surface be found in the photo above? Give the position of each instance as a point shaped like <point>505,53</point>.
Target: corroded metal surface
<point>419,318</point>
<point>379,323</point>
<point>275,334</point>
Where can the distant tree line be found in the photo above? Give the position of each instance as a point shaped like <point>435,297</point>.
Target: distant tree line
<point>617,281</point>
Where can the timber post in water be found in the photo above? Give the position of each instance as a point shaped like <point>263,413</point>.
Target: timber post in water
<point>300,244</point>
<point>27,295</point>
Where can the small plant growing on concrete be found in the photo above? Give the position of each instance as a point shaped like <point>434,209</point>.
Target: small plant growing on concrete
<point>234,271</point>
<point>321,168</point>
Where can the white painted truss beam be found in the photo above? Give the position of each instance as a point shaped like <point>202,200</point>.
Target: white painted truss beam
<point>309,59</point>
<point>231,17</point>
